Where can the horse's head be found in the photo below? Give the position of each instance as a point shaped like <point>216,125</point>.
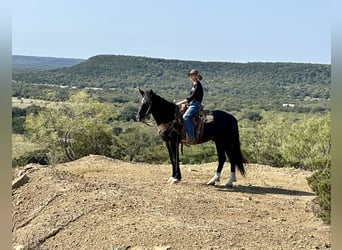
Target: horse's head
<point>146,105</point>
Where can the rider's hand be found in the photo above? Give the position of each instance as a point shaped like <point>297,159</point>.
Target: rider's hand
<point>181,102</point>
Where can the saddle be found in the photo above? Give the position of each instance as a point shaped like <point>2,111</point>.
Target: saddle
<point>201,117</point>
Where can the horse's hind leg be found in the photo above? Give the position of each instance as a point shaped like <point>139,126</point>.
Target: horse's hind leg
<point>230,153</point>
<point>221,159</point>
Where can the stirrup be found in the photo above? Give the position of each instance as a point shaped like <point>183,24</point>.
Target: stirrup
<point>185,141</point>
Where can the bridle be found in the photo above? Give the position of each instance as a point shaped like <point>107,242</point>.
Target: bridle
<point>165,129</point>
<point>148,111</point>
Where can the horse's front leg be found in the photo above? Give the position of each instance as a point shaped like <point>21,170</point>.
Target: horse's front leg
<point>172,147</point>
<point>175,147</point>
<point>168,146</point>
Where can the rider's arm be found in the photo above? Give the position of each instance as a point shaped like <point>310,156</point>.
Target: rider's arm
<point>182,102</point>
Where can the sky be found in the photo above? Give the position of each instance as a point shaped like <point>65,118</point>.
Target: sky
<point>216,30</point>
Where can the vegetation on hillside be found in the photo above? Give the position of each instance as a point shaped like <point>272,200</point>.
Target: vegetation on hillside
<point>228,86</point>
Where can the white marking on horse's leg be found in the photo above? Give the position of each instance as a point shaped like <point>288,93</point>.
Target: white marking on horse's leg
<point>170,179</point>
<point>232,179</point>
<point>215,179</point>
<point>174,180</point>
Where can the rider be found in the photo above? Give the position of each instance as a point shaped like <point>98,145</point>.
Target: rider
<point>194,102</point>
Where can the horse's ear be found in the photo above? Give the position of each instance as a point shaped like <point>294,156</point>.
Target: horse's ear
<point>151,92</point>
<point>141,92</point>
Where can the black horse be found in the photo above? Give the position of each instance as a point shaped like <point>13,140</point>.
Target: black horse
<point>223,130</point>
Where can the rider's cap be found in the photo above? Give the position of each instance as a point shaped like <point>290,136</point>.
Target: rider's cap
<point>193,72</point>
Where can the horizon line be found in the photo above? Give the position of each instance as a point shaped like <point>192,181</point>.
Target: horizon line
<point>190,60</point>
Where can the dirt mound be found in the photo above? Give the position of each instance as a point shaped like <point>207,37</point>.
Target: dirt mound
<point>101,203</point>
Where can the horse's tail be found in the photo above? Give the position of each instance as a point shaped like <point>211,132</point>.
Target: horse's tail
<point>238,155</point>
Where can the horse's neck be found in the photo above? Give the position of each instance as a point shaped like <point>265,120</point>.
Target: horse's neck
<point>163,111</point>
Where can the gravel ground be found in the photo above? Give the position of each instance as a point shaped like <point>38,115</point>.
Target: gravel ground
<point>101,203</point>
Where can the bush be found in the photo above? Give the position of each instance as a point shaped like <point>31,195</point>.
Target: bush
<point>308,143</point>
<point>308,146</point>
<point>37,156</point>
<point>72,129</point>
<point>136,142</point>
<point>320,182</point>
<point>199,154</point>
<point>18,125</point>
<point>261,141</point>
<point>305,144</point>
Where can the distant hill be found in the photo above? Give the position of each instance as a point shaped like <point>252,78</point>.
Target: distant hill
<point>227,85</point>
<point>35,62</point>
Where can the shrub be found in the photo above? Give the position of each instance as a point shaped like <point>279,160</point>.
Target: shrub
<point>261,141</point>
<point>304,143</point>
<point>37,156</point>
<point>308,143</point>
<point>18,125</point>
<point>72,129</point>
<point>320,182</point>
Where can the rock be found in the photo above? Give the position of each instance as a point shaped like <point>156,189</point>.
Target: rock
<point>21,180</point>
<point>162,248</point>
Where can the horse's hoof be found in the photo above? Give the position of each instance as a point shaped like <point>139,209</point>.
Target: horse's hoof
<point>213,181</point>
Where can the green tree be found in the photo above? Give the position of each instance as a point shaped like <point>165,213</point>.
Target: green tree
<point>261,140</point>
<point>72,129</point>
<point>308,143</point>
<point>320,182</point>
<point>129,111</point>
<point>140,143</point>
<point>303,143</point>
<point>308,146</point>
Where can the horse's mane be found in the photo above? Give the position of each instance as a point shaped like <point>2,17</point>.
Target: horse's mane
<point>162,101</point>
<point>164,111</point>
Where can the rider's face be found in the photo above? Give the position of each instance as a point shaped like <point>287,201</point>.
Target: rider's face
<point>193,77</point>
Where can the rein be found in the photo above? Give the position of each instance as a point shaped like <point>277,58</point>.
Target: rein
<point>165,127</point>
<point>148,123</point>
<point>169,126</point>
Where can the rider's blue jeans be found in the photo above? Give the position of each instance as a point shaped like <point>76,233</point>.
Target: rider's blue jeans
<point>193,107</point>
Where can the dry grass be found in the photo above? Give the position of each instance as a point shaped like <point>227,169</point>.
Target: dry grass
<point>20,145</point>
<point>24,103</point>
